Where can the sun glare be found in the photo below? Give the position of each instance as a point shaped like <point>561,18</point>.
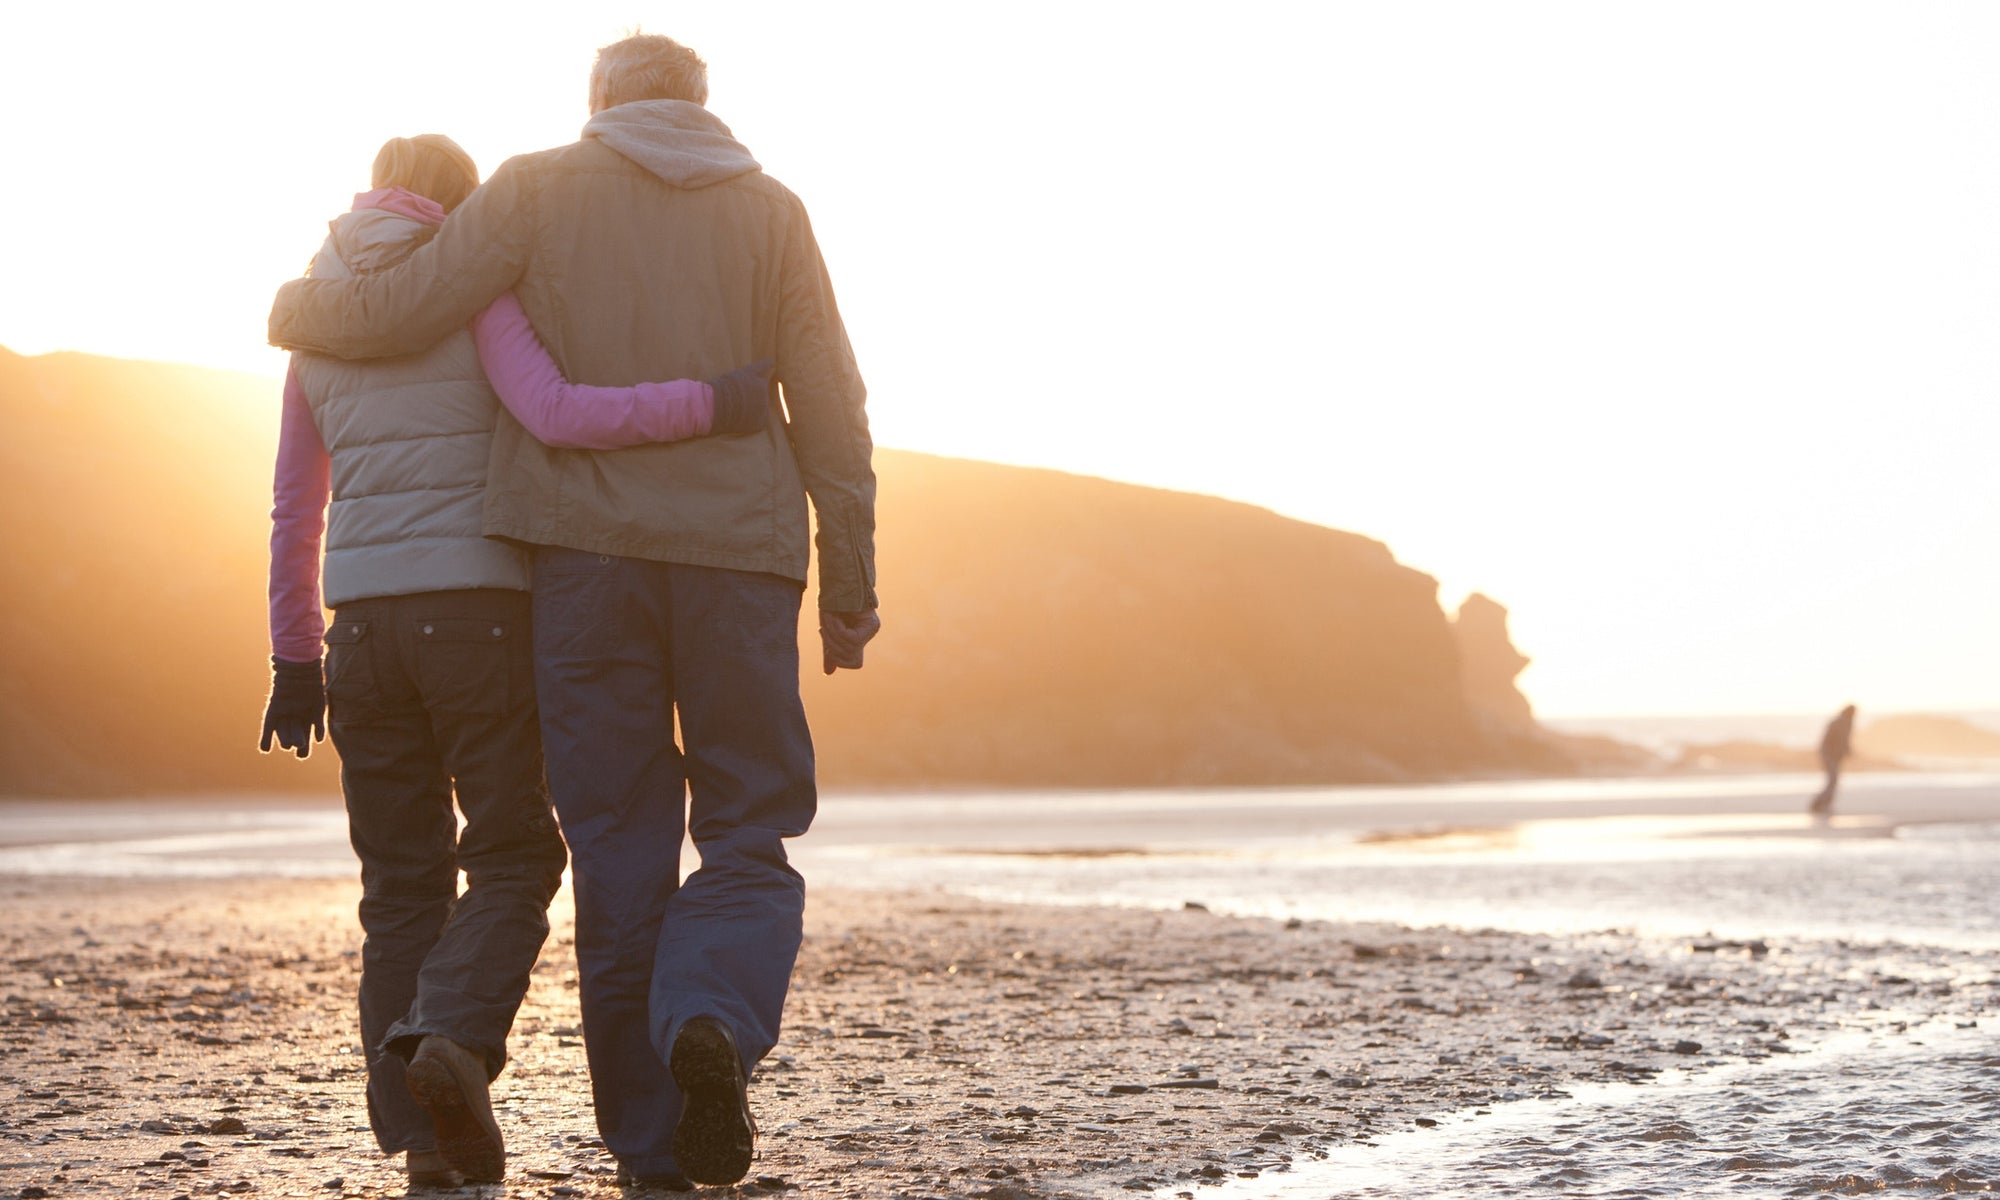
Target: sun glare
<point>1671,328</point>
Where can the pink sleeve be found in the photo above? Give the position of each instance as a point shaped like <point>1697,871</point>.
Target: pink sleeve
<point>298,520</point>
<point>575,416</point>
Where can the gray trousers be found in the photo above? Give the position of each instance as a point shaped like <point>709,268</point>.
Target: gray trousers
<point>431,697</point>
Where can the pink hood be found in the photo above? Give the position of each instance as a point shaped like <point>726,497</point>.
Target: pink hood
<point>402,202</point>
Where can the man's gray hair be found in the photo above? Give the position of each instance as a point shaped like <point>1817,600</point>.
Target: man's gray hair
<point>647,66</point>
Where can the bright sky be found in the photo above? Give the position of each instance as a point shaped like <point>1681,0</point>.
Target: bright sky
<point>1672,326</point>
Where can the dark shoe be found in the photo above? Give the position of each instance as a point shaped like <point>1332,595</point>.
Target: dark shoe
<point>428,1169</point>
<point>627,1178</point>
<point>450,1082</point>
<point>714,1140</point>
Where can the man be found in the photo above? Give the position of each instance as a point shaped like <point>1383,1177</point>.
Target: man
<point>667,579</point>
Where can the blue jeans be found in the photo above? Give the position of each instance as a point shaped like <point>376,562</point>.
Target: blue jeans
<point>622,646</point>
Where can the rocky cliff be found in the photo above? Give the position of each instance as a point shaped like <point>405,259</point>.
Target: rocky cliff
<point>134,507</point>
<point>1489,664</point>
<point>1918,735</point>
<point>1041,628</point>
<point>1046,628</point>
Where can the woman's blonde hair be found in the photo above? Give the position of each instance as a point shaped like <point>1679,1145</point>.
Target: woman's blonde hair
<point>429,164</point>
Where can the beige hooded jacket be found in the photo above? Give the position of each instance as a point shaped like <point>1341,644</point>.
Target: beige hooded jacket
<point>654,248</point>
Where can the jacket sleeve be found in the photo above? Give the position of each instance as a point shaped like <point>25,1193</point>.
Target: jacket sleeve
<point>477,254</point>
<point>825,401</point>
<point>577,416</point>
<point>298,522</point>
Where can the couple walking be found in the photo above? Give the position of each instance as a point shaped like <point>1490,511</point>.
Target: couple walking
<point>559,532</point>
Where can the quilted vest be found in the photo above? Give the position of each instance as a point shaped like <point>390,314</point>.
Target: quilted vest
<point>409,438</point>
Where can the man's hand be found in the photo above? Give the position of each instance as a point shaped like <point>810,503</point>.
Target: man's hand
<point>296,714</point>
<point>843,635</point>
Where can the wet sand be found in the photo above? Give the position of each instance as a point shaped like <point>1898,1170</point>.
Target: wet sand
<point>191,1038</point>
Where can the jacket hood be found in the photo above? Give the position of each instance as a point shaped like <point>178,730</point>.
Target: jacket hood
<point>403,202</point>
<point>682,143</point>
<point>384,228</point>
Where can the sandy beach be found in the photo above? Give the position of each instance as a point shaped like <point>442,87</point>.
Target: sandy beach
<point>196,1037</point>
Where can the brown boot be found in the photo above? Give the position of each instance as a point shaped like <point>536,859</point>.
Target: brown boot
<point>428,1169</point>
<point>450,1082</point>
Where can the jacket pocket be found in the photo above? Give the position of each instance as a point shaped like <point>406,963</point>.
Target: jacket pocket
<point>579,599</point>
<point>472,665</point>
<point>561,560</point>
<point>353,688</point>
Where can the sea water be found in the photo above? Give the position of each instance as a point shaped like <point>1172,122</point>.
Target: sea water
<point>1908,860</point>
<point>1898,1109</point>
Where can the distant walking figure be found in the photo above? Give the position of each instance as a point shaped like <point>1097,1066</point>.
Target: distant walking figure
<point>1834,746</point>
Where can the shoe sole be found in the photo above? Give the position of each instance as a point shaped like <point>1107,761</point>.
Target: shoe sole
<point>714,1140</point>
<point>463,1140</point>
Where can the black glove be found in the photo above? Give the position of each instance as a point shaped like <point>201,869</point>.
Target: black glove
<point>743,399</point>
<point>297,708</point>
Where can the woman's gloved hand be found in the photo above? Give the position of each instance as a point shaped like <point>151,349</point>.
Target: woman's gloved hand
<point>296,713</point>
<point>743,399</point>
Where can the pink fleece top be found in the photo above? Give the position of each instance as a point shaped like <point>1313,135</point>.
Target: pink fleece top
<point>560,413</point>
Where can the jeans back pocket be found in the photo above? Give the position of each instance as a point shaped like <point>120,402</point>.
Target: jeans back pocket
<point>473,665</point>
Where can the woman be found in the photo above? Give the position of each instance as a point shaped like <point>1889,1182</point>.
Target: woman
<point>428,680</point>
